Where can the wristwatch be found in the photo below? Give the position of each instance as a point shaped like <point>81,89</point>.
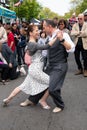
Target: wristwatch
<point>63,40</point>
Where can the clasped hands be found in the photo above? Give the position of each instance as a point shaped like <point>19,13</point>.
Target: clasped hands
<point>59,35</point>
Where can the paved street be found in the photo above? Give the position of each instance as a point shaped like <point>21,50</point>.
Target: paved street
<point>74,116</point>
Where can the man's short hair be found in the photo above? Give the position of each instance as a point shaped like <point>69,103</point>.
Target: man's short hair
<point>50,22</point>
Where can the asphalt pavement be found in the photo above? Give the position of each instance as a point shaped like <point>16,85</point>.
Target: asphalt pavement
<point>73,117</point>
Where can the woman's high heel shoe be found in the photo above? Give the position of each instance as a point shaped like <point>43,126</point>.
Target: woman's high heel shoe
<point>44,105</point>
<point>5,102</point>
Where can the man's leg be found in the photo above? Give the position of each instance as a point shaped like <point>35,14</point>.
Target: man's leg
<point>56,82</point>
<point>84,54</point>
<point>77,57</point>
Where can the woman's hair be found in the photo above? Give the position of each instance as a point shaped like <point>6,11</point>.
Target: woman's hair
<point>24,31</point>
<point>31,28</point>
<point>8,27</point>
<point>62,21</point>
<point>42,32</point>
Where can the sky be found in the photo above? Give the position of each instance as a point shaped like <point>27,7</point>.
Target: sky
<point>57,6</point>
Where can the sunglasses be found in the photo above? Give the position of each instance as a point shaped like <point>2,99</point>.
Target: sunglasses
<point>61,24</point>
<point>79,18</point>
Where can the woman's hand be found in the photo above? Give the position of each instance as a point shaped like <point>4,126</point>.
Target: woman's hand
<point>10,65</point>
<point>60,35</point>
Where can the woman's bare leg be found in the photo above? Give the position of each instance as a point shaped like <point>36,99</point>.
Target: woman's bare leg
<point>13,94</point>
<point>43,100</point>
<point>45,96</point>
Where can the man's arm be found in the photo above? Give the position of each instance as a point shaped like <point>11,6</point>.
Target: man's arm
<point>64,40</point>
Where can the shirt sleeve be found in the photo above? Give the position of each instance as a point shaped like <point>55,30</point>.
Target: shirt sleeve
<point>68,39</point>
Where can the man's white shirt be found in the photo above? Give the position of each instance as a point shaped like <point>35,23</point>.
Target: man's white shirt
<point>67,38</point>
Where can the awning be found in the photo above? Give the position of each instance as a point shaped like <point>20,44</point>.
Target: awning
<point>35,21</point>
<point>7,13</point>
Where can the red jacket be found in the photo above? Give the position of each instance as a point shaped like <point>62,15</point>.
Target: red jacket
<point>10,39</point>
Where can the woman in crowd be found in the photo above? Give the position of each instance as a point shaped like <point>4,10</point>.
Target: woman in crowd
<point>62,25</point>
<point>11,41</point>
<point>42,41</point>
<point>22,44</point>
<point>36,82</point>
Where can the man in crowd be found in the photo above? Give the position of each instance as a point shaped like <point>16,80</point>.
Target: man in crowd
<point>79,31</point>
<point>85,16</point>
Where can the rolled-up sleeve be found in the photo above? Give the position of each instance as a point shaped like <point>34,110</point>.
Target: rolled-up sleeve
<point>68,39</point>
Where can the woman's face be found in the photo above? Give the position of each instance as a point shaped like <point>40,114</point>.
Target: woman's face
<point>14,27</point>
<point>61,26</point>
<point>21,31</point>
<point>43,35</point>
<point>35,33</point>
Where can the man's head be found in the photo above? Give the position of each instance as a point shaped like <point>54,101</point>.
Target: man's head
<point>55,19</point>
<point>49,26</point>
<point>81,19</point>
<point>85,16</point>
<point>74,15</point>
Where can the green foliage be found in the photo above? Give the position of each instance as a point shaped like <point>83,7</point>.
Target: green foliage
<point>32,9</point>
<point>77,6</point>
<point>47,13</point>
<point>28,9</point>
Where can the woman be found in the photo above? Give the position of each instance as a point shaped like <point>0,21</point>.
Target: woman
<point>10,41</point>
<point>21,45</point>
<point>62,25</point>
<point>36,82</point>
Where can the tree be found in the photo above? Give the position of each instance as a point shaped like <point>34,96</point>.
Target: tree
<point>47,13</point>
<point>77,6</point>
<point>28,9</point>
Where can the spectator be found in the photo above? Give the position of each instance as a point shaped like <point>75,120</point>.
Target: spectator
<point>55,19</point>
<point>21,45</point>
<point>3,34</point>
<point>10,41</point>
<point>79,31</point>
<point>42,40</point>
<point>85,16</point>
<point>62,25</point>
<point>72,21</point>
<point>10,60</point>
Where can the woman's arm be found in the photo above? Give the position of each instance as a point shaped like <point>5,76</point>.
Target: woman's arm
<point>46,46</point>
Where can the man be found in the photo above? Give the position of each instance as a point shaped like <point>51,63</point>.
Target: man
<point>85,16</point>
<point>8,57</point>
<point>57,62</point>
<point>55,19</point>
<point>79,31</point>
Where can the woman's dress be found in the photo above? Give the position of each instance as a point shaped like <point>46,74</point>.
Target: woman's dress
<point>36,80</point>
